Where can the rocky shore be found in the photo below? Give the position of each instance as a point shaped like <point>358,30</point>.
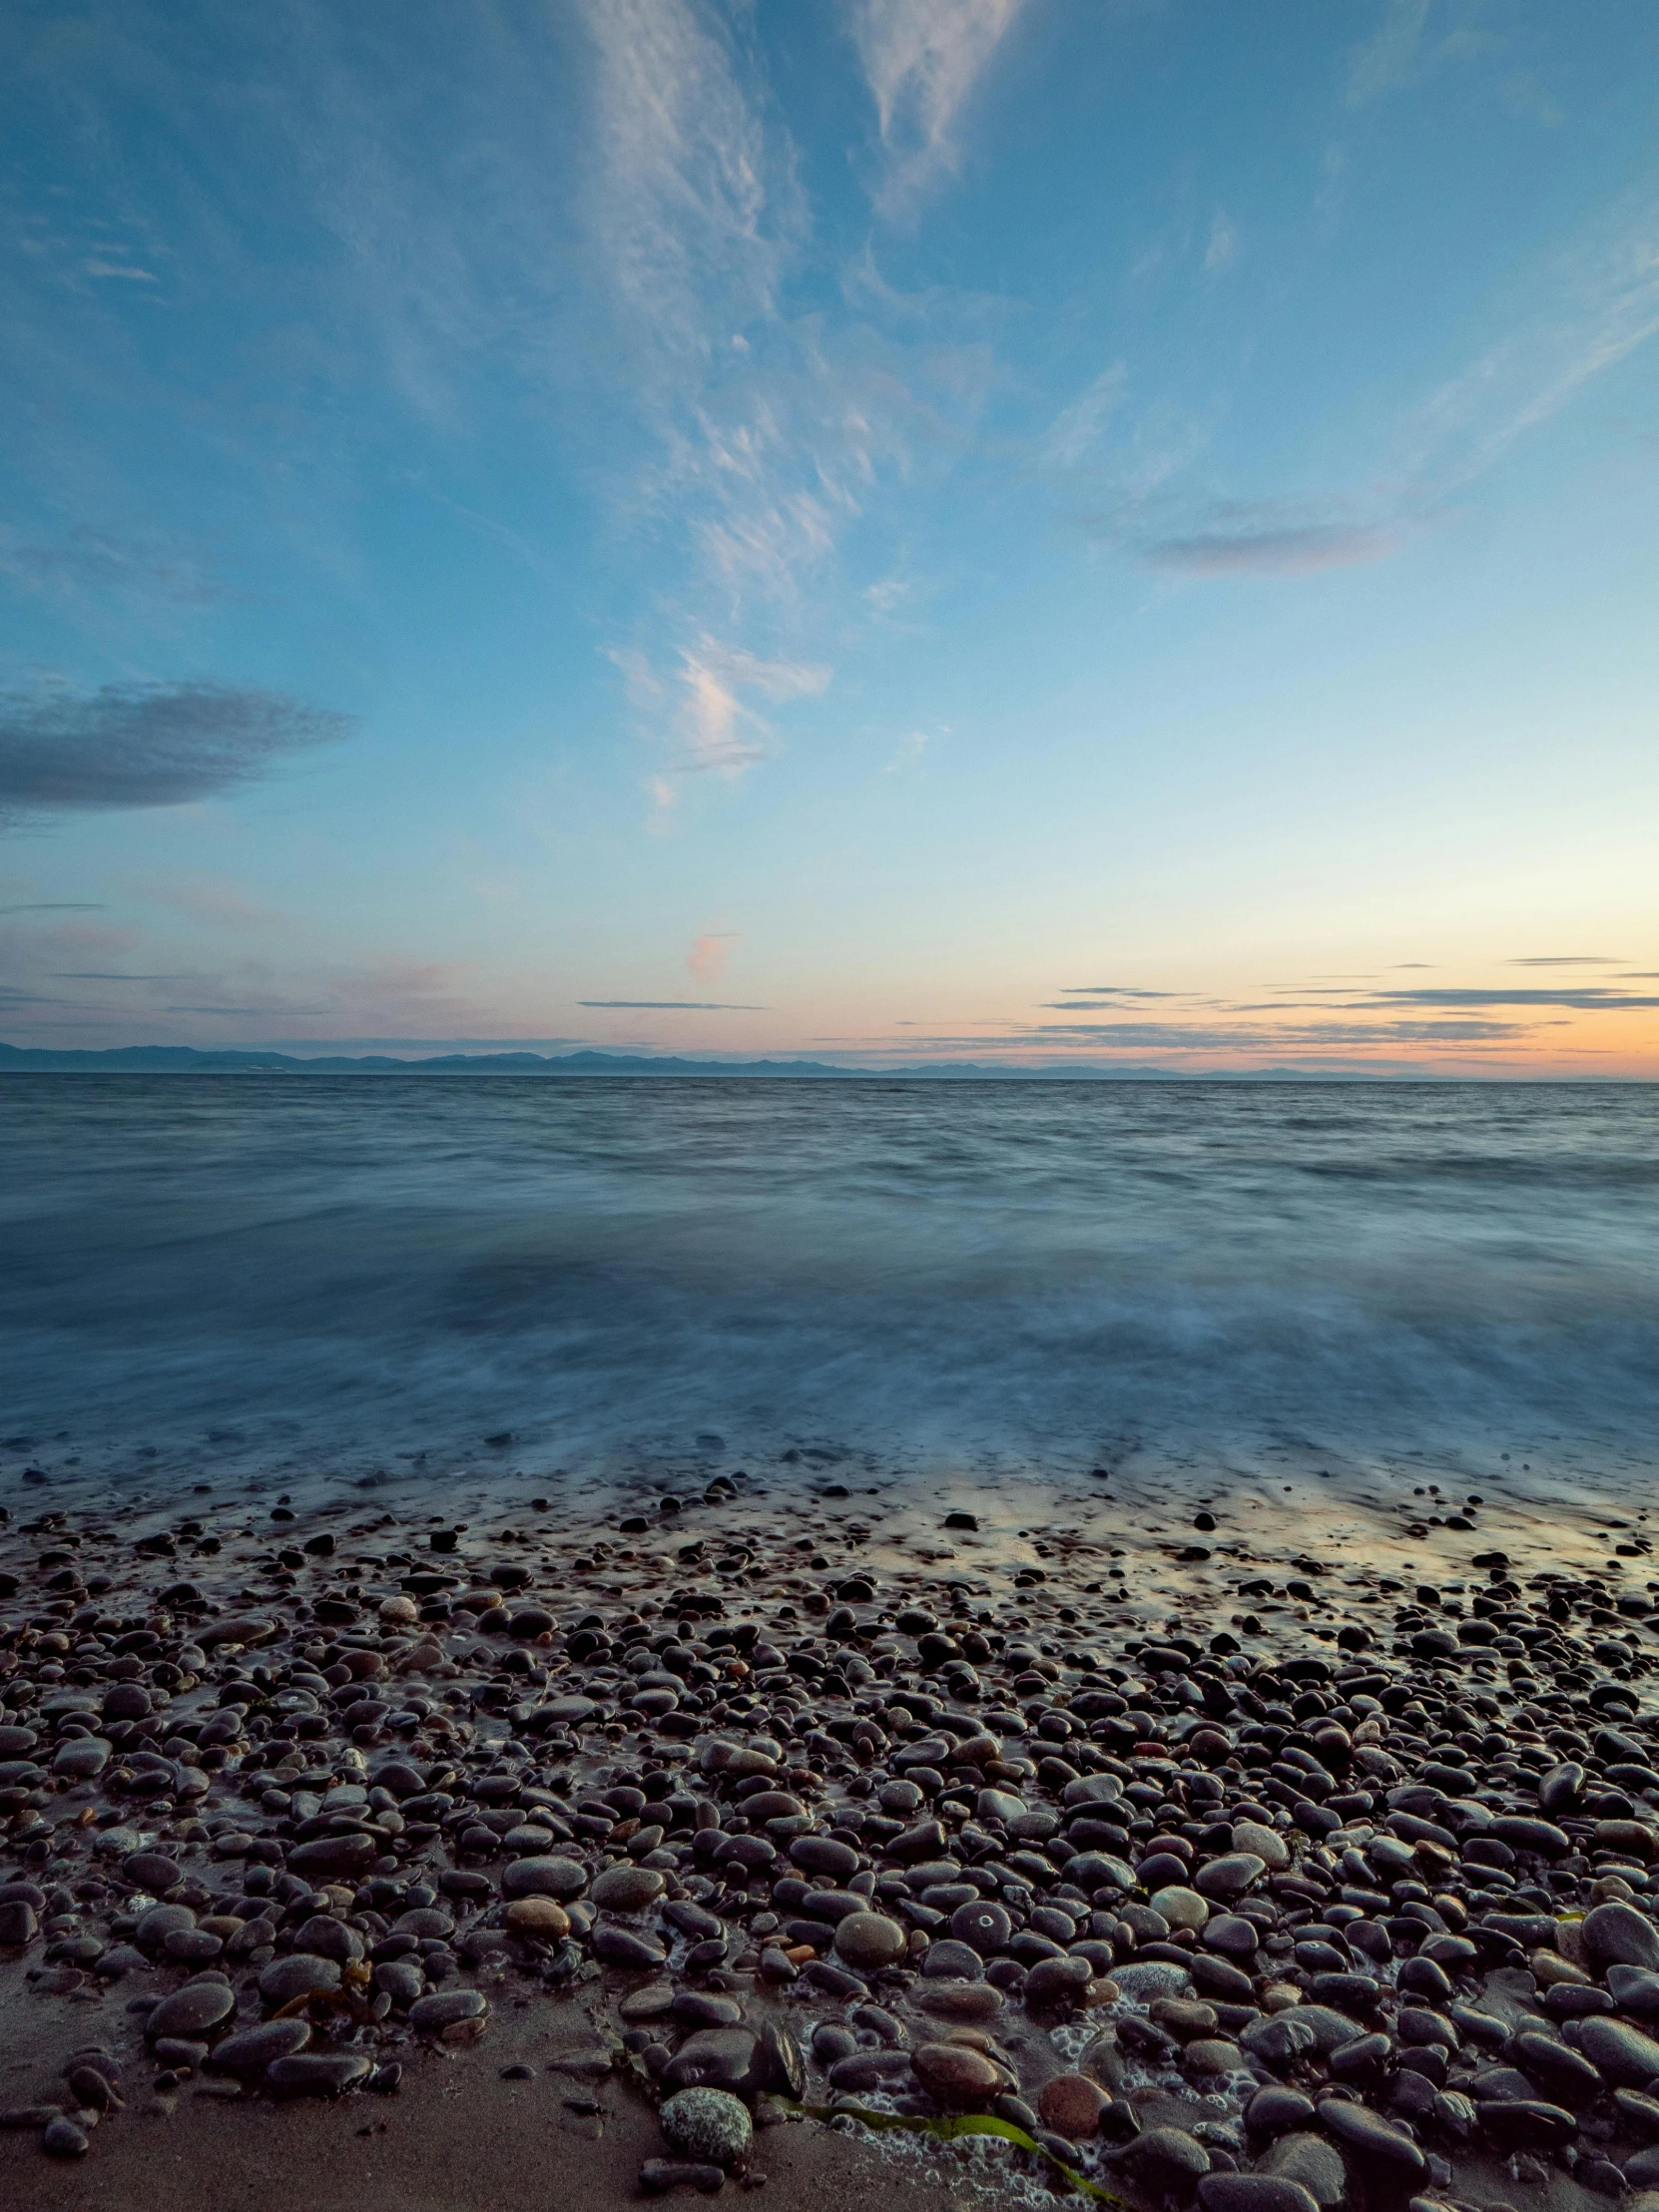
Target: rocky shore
<point>1276,1857</point>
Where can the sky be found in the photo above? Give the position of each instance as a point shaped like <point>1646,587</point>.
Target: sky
<point>1115,533</point>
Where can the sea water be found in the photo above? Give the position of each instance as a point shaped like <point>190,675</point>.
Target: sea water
<point>374,1276</point>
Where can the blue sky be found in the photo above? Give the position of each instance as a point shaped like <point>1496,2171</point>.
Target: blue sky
<point>896,529</point>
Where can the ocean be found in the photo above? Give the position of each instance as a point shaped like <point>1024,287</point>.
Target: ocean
<point>315,1279</point>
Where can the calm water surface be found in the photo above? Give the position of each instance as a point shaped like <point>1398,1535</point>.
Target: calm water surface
<point>332,1275</point>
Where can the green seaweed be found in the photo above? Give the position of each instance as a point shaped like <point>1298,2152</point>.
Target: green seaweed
<point>947,2129</point>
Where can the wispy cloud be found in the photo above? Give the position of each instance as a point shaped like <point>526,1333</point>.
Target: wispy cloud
<point>725,733</point>
<point>147,745</point>
<point>1594,303</point>
<point>908,752</point>
<point>85,560</point>
<point>1389,58</point>
<point>922,60</point>
<point>1077,430</point>
<point>704,707</point>
<point>1222,244</point>
<point>1569,959</point>
<point>763,446</point>
<point>1116,990</point>
<point>1572,318</point>
<point>696,206</point>
<point>133,275</point>
<point>211,898</point>
<point>670,1006</point>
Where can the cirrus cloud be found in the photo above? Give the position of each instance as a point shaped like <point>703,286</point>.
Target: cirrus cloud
<point>923,59</point>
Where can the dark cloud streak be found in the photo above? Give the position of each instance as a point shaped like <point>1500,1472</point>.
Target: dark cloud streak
<point>1274,1035</point>
<point>1592,999</point>
<point>131,745</point>
<point>1300,551</point>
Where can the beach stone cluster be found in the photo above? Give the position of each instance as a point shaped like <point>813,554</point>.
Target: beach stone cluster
<point>1266,1922</point>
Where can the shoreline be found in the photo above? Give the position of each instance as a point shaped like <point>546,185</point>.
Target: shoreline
<point>343,1757</point>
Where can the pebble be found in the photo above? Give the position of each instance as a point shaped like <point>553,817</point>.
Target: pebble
<point>955,2073</point>
<point>948,1959</point>
<point>1623,2053</point>
<point>1181,1908</point>
<point>452,2015</point>
<point>1234,1937</point>
<point>984,1928</point>
<point>726,2058</point>
<point>1211,2056</point>
<point>1253,1839</point>
<point>1167,2162</point>
<point>964,2001</point>
<point>298,1975</point>
<point>560,1878</point>
<point>1617,1935</point>
<point>1057,1984</point>
<point>1312,2162</point>
<point>1071,2104</point>
<point>249,2050</point>
<point>1144,1980</point>
<point>1230,1876</point>
<point>192,2011</point>
<point>624,1947</point>
<point>307,2073</point>
<point>539,1916</point>
<point>659,2175</point>
<point>869,1941</point>
<point>627,1889</point>
<point>708,2124</point>
<point>18,1922</point>
<point>1252,2193</point>
<point>1372,2140</point>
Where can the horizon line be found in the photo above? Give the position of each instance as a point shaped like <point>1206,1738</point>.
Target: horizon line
<point>252,1059</point>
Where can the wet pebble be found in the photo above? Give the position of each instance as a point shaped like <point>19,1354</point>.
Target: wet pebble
<point>708,2124</point>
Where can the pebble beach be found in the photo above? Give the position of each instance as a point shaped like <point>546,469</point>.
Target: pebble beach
<point>1271,1851</point>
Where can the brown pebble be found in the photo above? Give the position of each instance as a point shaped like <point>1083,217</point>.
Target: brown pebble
<point>539,1916</point>
<point>954,2074</point>
<point>959,2000</point>
<point>1071,2104</point>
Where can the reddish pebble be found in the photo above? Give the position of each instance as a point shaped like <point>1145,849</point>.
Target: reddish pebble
<point>1071,2105</point>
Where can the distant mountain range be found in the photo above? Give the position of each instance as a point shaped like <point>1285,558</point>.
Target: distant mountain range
<point>184,1059</point>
